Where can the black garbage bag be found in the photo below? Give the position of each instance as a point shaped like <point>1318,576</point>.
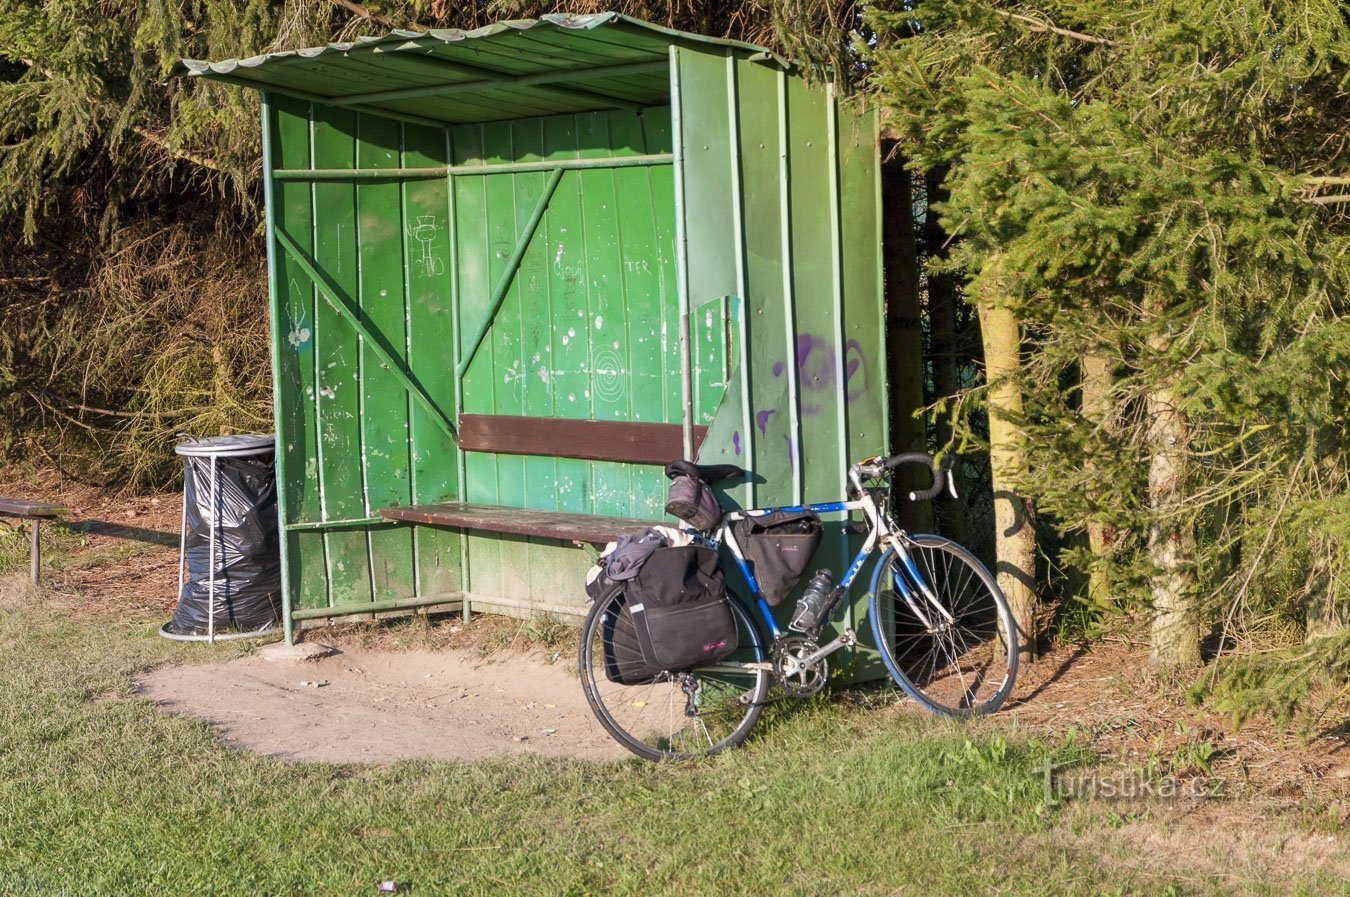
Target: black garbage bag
<point>246,554</point>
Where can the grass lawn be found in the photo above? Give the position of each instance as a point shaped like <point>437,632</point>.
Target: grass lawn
<point>101,793</point>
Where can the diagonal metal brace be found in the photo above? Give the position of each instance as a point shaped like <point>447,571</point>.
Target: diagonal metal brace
<point>509,275</point>
<point>372,338</point>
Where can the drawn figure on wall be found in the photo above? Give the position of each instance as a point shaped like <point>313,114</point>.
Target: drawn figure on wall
<point>425,262</point>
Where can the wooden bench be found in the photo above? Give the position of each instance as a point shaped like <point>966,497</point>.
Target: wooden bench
<point>562,525</point>
<point>34,512</point>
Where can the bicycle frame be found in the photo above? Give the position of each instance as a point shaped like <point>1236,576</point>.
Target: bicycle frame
<point>881,530</point>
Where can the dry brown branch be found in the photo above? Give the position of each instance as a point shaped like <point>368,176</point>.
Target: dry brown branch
<point>358,10</point>
<point>178,152</point>
<point>1040,27</point>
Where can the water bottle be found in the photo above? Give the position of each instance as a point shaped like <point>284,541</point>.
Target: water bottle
<point>813,601</point>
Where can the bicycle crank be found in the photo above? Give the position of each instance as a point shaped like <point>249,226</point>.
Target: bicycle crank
<point>800,678</point>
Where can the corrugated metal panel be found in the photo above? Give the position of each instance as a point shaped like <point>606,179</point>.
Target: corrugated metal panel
<point>780,206</point>
<point>531,67</point>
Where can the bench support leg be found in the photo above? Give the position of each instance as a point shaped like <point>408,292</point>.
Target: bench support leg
<point>36,560</point>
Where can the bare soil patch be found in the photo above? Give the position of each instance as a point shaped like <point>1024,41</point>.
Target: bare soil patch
<point>117,554</point>
<point>372,706</point>
<point>1104,695</point>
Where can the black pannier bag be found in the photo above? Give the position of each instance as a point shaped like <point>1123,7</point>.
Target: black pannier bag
<point>624,662</point>
<point>623,658</point>
<point>779,546</point>
<point>680,610</point>
<point>690,499</point>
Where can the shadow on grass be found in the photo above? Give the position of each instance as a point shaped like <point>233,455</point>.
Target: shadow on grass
<point>122,531</point>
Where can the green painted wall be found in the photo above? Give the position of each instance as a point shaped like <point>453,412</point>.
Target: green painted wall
<point>782,207</point>
<point>779,211</point>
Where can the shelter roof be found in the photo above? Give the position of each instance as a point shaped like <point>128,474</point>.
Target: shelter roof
<point>515,69</point>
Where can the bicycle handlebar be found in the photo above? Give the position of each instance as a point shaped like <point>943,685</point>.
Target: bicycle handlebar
<point>941,471</point>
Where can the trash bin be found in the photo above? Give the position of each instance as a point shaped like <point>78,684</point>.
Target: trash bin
<point>229,566</point>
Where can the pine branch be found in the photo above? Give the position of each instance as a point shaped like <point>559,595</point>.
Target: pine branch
<point>1331,200</point>
<point>145,133</point>
<point>1040,27</point>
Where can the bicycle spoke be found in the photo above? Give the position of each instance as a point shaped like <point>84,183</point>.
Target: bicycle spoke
<point>649,716</point>
<point>953,667</point>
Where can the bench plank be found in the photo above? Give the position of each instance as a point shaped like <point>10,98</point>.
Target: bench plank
<point>519,521</point>
<point>593,440</point>
<point>22,507</point>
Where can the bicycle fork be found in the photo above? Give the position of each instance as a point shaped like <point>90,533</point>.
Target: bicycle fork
<point>908,580</point>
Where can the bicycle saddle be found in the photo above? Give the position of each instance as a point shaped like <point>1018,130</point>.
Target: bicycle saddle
<point>707,473</point>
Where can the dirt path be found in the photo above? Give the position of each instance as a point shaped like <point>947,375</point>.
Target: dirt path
<point>378,707</point>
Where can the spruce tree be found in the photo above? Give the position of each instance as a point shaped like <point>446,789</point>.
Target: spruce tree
<point>1162,187</point>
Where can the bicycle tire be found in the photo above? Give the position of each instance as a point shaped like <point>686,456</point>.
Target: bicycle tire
<point>931,666</point>
<point>632,714</point>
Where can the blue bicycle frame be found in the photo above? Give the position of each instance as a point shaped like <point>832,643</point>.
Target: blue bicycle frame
<point>880,529</point>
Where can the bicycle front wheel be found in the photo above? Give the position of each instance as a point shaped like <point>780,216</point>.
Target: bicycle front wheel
<point>671,716</point>
<point>944,628</point>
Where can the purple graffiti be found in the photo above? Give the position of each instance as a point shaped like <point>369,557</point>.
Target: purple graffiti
<point>792,452</point>
<point>736,441</point>
<point>818,370</point>
<point>854,362</point>
<point>762,420</point>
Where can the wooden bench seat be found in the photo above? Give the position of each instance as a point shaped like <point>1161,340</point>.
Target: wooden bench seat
<point>34,512</point>
<point>586,528</point>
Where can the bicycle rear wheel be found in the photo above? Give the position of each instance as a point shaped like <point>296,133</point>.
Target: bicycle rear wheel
<point>962,666</point>
<point>673,716</point>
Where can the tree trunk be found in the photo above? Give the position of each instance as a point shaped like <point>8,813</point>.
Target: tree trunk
<point>1015,536</point>
<point>1323,617</point>
<point>1096,407</point>
<point>904,338</point>
<point>944,351</point>
<point>1326,606</point>
<point>1171,544</point>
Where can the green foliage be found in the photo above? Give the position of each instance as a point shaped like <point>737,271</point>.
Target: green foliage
<point>132,299</point>
<point>1160,184</point>
<point>1307,686</point>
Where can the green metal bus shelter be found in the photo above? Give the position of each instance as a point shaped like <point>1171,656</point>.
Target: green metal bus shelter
<point>515,270</point>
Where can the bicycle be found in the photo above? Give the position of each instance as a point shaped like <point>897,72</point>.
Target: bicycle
<point>942,625</point>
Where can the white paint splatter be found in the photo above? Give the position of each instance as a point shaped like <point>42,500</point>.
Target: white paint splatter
<point>327,393</point>
<point>557,259</point>
<point>599,321</point>
<point>571,331</point>
<point>298,336</point>
<point>543,371</point>
<point>564,340</point>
